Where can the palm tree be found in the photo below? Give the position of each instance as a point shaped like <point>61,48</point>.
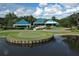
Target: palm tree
<point>9,19</point>
<point>31,19</point>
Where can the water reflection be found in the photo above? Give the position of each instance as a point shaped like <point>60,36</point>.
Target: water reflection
<point>72,41</point>
<point>58,46</point>
<point>5,52</point>
<point>3,49</point>
<point>32,45</point>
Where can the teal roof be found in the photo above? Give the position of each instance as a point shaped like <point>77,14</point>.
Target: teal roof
<point>39,21</point>
<point>22,22</point>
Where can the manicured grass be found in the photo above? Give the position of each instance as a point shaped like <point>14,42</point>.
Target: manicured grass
<point>75,30</point>
<point>57,28</point>
<point>26,35</point>
<point>34,35</point>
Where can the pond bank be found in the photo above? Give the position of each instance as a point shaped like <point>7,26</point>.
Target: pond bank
<point>28,42</point>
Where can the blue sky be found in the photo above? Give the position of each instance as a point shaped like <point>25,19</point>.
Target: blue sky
<point>39,10</point>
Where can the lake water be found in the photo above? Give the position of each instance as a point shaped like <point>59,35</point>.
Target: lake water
<point>56,47</point>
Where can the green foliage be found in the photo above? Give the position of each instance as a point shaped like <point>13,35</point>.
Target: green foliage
<point>73,42</point>
<point>70,21</point>
<point>30,19</point>
<point>9,20</point>
<point>54,19</point>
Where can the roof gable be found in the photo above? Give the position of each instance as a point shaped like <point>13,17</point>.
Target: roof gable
<point>22,22</point>
<point>51,22</point>
<point>39,21</point>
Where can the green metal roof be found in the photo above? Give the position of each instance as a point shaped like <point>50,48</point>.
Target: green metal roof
<point>22,22</point>
<point>39,21</point>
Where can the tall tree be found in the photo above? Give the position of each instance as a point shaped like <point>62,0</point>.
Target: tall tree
<point>9,19</point>
<point>1,22</point>
<point>31,19</point>
<point>70,21</point>
<point>75,16</point>
<point>54,18</point>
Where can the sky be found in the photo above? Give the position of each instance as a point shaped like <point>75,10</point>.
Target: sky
<point>39,10</point>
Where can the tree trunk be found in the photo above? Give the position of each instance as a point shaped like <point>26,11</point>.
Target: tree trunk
<point>77,20</point>
<point>78,26</point>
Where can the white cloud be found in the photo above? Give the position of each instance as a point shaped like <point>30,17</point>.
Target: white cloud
<point>43,4</point>
<point>70,10</point>
<point>47,11</point>
<point>62,15</point>
<point>51,10</point>
<point>3,13</point>
<point>44,10</point>
<point>57,10</point>
<point>23,12</point>
<point>38,12</point>
<point>71,5</point>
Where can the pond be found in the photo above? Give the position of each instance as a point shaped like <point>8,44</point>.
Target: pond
<point>59,46</point>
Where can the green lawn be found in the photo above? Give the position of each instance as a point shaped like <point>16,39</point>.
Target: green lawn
<point>26,35</point>
<point>34,35</point>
